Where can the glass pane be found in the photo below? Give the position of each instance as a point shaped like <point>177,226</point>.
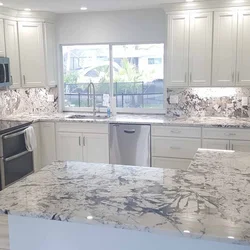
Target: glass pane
<point>138,75</point>
<point>83,64</point>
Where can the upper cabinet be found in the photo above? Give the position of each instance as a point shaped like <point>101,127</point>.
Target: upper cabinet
<point>243,49</point>
<point>224,55</point>
<point>189,49</point>
<point>50,53</point>
<point>32,54</point>
<point>2,42</point>
<point>12,51</point>
<point>177,50</point>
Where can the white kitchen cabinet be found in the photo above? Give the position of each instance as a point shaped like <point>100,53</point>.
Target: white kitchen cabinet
<point>2,41</point>
<point>216,144</point>
<point>12,51</point>
<point>37,151</point>
<point>69,146</point>
<point>224,48</point>
<point>177,50</point>
<point>48,144</point>
<point>171,163</point>
<point>200,49</point>
<point>96,148</point>
<point>32,53</point>
<point>243,146</point>
<point>243,49</point>
<point>50,54</point>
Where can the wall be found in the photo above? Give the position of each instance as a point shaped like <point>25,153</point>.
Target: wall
<point>112,27</point>
<point>30,101</point>
<point>218,102</point>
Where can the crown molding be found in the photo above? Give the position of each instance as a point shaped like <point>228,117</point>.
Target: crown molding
<point>27,15</point>
<point>199,5</point>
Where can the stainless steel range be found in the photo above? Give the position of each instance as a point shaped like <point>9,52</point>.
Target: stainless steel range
<point>15,160</point>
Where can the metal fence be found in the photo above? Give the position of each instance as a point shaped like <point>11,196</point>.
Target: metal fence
<point>77,95</point>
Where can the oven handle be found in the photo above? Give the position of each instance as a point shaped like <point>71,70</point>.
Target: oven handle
<point>4,69</point>
<point>14,135</point>
<point>16,156</point>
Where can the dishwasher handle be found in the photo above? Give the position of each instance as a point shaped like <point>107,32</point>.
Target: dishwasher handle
<point>129,131</point>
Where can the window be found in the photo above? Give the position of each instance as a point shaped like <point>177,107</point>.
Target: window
<point>82,65</point>
<point>137,78</point>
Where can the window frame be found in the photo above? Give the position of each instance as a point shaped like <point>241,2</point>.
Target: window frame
<point>111,87</point>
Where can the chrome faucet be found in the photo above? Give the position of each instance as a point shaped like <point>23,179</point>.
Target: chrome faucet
<point>94,97</point>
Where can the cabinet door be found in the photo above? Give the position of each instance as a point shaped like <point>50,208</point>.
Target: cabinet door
<point>177,50</point>
<point>200,54</point>
<point>224,54</point>
<point>216,144</point>
<point>48,147</point>
<point>37,151</point>
<point>2,42</point>
<point>243,49</point>
<point>243,146</point>
<point>32,54</point>
<point>171,163</point>
<point>50,49</point>
<point>12,51</point>
<point>96,148</point>
<point>69,146</point>
<point>4,232</point>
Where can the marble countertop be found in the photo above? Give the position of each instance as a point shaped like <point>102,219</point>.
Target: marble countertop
<point>140,119</point>
<point>211,199</point>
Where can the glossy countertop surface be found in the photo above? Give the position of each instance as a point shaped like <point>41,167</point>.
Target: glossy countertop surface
<point>211,199</point>
<point>139,119</point>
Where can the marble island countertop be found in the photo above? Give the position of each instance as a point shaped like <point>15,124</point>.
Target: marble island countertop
<point>211,199</point>
<point>224,122</point>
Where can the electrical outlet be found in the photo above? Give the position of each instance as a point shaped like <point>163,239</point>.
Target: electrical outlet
<point>244,101</point>
<point>174,99</point>
<point>51,98</point>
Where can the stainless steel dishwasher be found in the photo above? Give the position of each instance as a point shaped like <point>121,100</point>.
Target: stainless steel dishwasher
<point>130,144</point>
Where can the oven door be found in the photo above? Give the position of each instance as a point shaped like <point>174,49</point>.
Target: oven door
<point>17,162</point>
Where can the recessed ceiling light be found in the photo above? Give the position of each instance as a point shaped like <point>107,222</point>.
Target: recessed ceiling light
<point>84,8</point>
<point>27,9</point>
<point>1,4</point>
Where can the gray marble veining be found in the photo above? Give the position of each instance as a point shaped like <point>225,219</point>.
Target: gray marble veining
<point>211,199</point>
<point>223,122</point>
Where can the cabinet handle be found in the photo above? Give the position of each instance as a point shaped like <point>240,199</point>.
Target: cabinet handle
<point>11,79</point>
<point>83,140</point>
<point>175,131</point>
<point>190,77</point>
<point>175,148</point>
<point>226,146</point>
<point>24,79</point>
<point>233,77</point>
<point>229,134</point>
<point>79,140</point>
<point>232,147</point>
<point>185,77</point>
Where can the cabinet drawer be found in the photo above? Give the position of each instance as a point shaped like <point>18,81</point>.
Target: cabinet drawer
<point>82,128</point>
<point>229,134</point>
<point>175,147</point>
<point>172,163</point>
<point>189,132</point>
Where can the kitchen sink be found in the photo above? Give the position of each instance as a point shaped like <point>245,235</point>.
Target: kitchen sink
<point>100,116</point>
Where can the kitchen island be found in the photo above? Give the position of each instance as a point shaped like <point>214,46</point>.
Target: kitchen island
<point>75,205</point>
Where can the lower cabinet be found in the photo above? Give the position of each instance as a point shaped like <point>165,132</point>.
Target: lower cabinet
<point>4,233</point>
<point>243,146</point>
<point>81,143</point>
<point>216,144</point>
<point>48,145</point>
<point>173,163</point>
<point>37,151</point>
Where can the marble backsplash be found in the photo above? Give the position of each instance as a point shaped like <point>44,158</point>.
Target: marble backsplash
<point>29,101</point>
<point>216,102</point>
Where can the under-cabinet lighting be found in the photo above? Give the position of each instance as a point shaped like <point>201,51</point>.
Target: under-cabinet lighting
<point>186,231</point>
<point>189,1</point>
<point>230,237</point>
<point>90,217</point>
<point>84,8</point>
<point>27,9</point>
<point>1,4</point>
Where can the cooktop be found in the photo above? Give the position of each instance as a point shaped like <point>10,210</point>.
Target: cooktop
<point>8,126</point>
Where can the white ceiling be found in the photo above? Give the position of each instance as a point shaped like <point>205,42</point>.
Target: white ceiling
<point>68,6</point>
